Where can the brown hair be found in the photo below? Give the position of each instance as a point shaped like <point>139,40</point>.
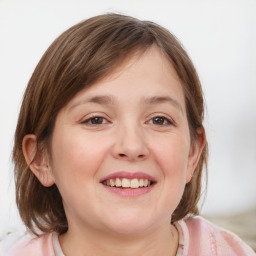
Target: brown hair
<point>78,58</point>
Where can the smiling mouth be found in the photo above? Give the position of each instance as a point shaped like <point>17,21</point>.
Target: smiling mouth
<point>128,183</point>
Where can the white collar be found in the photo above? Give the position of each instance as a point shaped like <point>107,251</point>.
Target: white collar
<point>56,245</point>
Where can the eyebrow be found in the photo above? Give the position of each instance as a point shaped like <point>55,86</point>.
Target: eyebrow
<point>163,99</point>
<point>110,100</point>
<point>102,100</point>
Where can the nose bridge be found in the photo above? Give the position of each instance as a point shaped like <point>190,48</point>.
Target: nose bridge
<point>130,141</point>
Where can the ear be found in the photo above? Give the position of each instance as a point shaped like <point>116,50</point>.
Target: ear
<point>38,160</point>
<point>195,152</point>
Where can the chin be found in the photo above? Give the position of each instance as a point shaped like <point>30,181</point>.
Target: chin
<point>130,229</point>
<point>132,222</point>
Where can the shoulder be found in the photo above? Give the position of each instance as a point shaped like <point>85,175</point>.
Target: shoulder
<point>205,238</point>
<point>29,245</point>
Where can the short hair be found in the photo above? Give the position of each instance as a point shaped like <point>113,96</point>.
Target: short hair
<point>79,57</point>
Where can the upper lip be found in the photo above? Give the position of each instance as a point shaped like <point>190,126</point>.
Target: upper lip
<point>128,175</point>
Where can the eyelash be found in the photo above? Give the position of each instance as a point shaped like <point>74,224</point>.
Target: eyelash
<point>166,121</point>
<point>89,120</point>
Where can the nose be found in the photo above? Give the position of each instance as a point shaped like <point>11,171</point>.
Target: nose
<point>130,144</point>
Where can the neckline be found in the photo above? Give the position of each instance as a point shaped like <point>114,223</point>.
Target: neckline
<point>179,225</point>
<point>56,245</point>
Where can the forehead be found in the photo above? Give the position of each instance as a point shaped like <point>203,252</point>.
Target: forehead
<point>151,63</point>
<point>146,74</point>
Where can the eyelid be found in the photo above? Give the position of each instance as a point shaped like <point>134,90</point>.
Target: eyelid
<point>88,117</point>
<point>167,117</point>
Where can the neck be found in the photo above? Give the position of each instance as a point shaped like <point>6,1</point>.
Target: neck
<point>160,241</point>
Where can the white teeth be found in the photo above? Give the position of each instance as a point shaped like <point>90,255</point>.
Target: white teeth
<point>135,183</point>
<point>112,183</point>
<point>118,182</point>
<point>127,183</point>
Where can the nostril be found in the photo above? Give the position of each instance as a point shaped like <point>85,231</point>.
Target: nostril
<point>124,155</point>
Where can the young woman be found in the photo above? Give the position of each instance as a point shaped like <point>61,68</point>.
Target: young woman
<point>110,147</point>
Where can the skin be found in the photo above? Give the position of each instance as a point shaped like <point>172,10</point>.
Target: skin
<point>127,137</point>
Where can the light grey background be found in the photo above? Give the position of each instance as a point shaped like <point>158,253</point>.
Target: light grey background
<point>220,37</point>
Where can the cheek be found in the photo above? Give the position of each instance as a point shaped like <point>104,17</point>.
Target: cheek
<point>75,158</point>
<point>172,156</point>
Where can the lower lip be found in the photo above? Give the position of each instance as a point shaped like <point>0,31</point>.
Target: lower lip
<point>129,192</point>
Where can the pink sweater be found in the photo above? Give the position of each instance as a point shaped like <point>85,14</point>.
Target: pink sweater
<point>197,237</point>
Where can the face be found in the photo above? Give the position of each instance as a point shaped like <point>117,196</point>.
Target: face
<point>121,150</point>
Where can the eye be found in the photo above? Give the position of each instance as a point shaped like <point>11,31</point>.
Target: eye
<point>97,120</point>
<point>161,120</point>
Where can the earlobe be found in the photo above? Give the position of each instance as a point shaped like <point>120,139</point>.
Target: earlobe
<point>195,153</point>
<point>37,159</point>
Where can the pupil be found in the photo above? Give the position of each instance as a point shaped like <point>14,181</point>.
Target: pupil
<point>158,120</point>
<point>96,120</point>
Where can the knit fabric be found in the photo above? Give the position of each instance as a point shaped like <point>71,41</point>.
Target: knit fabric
<point>197,237</point>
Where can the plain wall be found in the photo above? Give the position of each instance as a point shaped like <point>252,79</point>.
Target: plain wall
<point>220,37</point>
